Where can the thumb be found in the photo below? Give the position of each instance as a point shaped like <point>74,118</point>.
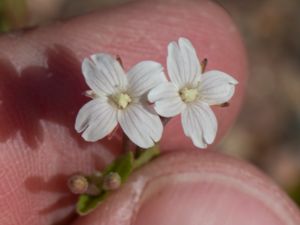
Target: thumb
<point>196,188</point>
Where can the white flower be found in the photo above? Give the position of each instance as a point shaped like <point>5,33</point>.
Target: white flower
<point>120,98</point>
<point>191,92</point>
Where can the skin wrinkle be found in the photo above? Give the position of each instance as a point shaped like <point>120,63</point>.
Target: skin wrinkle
<point>227,173</point>
<point>193,178</point>
<point>246,175</point>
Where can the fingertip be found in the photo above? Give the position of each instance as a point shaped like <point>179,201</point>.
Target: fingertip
<point>189,188</point>
<point>142,30</point>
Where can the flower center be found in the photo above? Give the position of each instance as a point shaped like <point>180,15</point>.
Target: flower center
<point>188,94</point>
<point>122,100</point>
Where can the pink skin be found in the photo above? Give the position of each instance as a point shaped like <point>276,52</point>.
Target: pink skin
<point>41,92</point>
<point>196,188</point>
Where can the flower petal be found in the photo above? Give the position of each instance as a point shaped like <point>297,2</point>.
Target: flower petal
<point>217,87</point>
<point>200,124</point>
<point>141,126</point>
<point>166,99</point>
<point>183,64</point>
<point>96,119</point>
<point>209,121</point>
<point>104,74</point>
<point>93,78</point>
<point>144,76</point>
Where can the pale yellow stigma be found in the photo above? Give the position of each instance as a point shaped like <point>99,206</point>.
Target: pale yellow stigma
<point>122,100</point>
<point>188,94</point>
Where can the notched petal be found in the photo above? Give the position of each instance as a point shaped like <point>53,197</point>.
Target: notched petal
<point>183,63</point>
<point>166,99</point>
<point>96,119</point>
<point>141,126</point>
<point>200,124</point>
<point>217,87</point>
<point>144,76</point>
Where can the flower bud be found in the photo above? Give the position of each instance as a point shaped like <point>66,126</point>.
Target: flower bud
<point>78,184</point>
<point>111,181</point>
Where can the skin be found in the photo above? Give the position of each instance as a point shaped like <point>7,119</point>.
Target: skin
<point>41,88</point>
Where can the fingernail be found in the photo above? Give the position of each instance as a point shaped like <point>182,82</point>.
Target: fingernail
<point>191,199</point>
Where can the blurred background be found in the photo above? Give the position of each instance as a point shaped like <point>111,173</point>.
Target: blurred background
<point>267,132</point>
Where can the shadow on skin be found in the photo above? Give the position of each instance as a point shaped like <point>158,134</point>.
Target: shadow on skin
<point>67,220</point>
<point>57,184</point>
<point>52,93</point>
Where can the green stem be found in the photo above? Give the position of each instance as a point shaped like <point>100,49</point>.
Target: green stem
<point>145,156</point>
<point>123,166</point>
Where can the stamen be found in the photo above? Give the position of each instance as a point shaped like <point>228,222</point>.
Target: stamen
<point>122,100</point>
<point>189,94</point>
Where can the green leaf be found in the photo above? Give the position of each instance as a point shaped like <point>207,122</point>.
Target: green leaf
<point>87,203</point>
<point>145,156</point>
<point>123,166</point>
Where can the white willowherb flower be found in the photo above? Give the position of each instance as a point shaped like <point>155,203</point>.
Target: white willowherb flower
<point>120,98</point>
<point>191,92</point>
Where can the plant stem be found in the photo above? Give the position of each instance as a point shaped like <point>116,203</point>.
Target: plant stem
<point>128,145</point>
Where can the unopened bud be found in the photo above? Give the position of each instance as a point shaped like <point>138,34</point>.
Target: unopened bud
<point>90,94</point>
<point>111,181</point>
<point>225,104</point>
<point>118,58</point>
<point>78,184</point>
<point>204,64</point>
